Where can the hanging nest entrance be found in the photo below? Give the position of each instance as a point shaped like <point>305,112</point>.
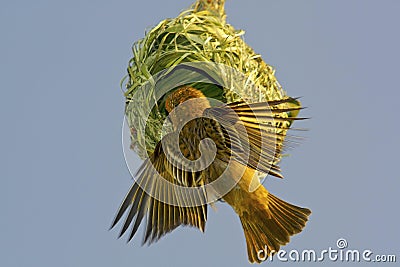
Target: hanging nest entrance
<point>199,34</point>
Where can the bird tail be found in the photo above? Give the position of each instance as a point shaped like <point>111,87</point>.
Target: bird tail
<point>267,227</point>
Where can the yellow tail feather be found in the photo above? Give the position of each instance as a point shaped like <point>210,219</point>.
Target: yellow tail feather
<point>267,229</point>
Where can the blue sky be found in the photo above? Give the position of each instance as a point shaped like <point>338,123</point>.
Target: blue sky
<point>63,170</point>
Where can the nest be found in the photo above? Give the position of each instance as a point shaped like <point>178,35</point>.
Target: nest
<point>199,34</point>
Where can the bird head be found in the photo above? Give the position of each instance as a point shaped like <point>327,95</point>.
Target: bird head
<point>191,103</point>
<point>180,96</point>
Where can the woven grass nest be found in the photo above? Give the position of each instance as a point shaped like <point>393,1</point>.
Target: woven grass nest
<point>198,35</point>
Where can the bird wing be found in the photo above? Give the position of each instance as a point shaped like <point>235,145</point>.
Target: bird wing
<point>157,193</point>
<point>256,132</point>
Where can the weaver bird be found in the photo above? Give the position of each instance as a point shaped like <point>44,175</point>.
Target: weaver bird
<point>242,140</point>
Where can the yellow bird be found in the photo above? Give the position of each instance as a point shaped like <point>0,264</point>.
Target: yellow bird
<point>241,141</point>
